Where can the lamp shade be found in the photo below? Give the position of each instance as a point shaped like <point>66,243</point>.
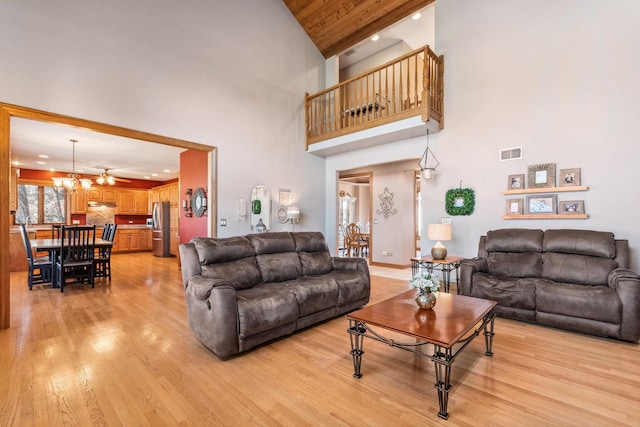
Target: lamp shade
<point>439,232</point>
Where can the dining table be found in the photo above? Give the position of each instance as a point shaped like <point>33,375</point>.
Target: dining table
<point>53,247</point>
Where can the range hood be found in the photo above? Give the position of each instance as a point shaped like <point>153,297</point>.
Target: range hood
<point>94,204</point>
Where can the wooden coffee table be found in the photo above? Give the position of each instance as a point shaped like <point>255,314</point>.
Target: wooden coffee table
<point>452,324</point>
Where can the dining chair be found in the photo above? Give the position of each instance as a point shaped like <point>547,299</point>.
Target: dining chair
<point>76,255</point>
<point>354,240</point>
<point>55,231</point>
<point>40,267</point>
<point>102,261</point>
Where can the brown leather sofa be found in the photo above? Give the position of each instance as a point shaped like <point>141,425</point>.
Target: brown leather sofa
<point>572,279</point>
<point>244,291</point>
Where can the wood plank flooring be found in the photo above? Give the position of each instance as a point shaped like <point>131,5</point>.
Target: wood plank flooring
<point>123,354</point>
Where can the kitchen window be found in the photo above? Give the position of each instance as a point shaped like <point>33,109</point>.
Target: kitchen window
<point>40,204</point>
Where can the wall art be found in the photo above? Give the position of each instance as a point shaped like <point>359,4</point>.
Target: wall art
<point>386,204</point>
<point>569,177</point>
<point>541,176</point>
<point>460,201</point>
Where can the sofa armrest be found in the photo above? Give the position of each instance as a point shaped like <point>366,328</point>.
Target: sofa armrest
<point>468,267</point>
<point>350,264</point>
<point>212,311</point>
<point>201,287</point>
<point>627,286</point>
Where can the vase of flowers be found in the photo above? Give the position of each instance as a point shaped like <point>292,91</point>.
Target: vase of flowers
<point>426,284</point>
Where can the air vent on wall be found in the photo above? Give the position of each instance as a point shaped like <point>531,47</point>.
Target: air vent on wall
<point>510,153</point>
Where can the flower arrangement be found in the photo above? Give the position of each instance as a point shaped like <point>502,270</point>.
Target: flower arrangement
<point>424,282</point>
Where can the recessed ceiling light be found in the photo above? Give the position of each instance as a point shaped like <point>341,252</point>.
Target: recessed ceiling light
<point>15,163</point>
<point>375,38</point>
<point>41,163</point>
<point>52,169</point>
<point>154,174</point>
<point>147,177</point>
<point>43,156</point>
<point>416,16</point>
<point>166,171</point>
<point>80,170</point>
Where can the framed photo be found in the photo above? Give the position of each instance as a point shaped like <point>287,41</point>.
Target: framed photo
<point>516,182</point>
<point>542,204</point>
<point>571,207</point>
<point>541,176</point>
<point>285,197</point>
<point>514,206</point>
<point>569,177</point>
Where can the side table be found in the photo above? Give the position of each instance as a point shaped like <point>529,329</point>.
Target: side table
<point>447,265</point>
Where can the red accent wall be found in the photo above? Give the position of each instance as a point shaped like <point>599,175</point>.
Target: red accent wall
<point>193,174</point>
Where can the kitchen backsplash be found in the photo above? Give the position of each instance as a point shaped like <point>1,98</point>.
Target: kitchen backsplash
<point>100,215</point>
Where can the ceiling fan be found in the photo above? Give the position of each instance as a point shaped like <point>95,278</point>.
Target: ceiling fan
<point>106,178</point>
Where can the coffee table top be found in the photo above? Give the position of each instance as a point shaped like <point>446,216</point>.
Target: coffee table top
<point>446,324</point>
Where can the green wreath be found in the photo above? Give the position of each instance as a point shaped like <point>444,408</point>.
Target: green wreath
<point>460,201</point>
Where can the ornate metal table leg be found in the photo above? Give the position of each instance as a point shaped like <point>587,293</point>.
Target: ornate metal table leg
<point>356,331</point>
<point>446,275</point>
<point>443,378</point>
<point>488,335</point>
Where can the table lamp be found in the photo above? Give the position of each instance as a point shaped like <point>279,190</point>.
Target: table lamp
<point>439,232</point>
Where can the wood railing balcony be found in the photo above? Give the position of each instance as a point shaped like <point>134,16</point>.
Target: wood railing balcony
<point>391,92</point>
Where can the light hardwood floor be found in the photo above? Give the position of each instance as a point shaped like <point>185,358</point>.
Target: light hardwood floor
<point>123,354</point>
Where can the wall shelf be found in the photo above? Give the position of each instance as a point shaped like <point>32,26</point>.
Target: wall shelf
<point>547,190</point>
<point>546,216</point>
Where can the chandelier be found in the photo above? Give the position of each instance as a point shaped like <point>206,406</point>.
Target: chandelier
<point>106,177</point>
<point>73,182</point>
<point>428,169</point>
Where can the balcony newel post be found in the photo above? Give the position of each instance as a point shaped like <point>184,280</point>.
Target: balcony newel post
<point>441,90</point>
<point>426,82</point>
<point>306,118</point>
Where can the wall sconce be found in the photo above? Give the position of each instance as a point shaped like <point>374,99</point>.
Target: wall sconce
<point>242,209</point>
<point>186,203</point>
<point>293,214</point>
<point>428,171</point>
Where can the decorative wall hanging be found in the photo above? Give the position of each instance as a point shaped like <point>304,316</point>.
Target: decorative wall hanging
<point>386,204</point>
<point>541,176</point>
<point>199,201</point>
<point>460,201</point>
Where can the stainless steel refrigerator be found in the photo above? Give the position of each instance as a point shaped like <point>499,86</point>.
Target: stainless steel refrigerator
<point>160,229</point>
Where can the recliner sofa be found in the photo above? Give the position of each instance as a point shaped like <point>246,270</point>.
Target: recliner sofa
<point>573,279</point>
<point>246,290</point>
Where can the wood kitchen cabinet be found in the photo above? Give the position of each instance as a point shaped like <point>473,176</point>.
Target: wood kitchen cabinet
<point>79,202</point>
<point>132,202</point>
<point>103,194</point>
<point>131,240</point>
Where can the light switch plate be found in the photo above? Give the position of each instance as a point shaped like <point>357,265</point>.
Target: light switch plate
<point>445,220</point>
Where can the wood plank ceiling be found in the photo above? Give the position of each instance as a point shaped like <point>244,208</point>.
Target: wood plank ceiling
<point>336,25</point>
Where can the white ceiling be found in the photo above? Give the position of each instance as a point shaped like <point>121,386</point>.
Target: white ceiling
<point>94,152</point>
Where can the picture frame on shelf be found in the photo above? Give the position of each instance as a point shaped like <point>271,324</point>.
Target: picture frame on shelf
<point>515,206</point>
<point>541,176</point>
<point>516,182</point>
<point>569,177</point>
<point>542,204</point>
<point>571,207</point>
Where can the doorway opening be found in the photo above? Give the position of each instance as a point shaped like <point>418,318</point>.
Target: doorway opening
<point>354,207</point>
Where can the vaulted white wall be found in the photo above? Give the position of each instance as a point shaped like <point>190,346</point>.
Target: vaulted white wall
<point>230,74</point>
<point>561,82</point>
